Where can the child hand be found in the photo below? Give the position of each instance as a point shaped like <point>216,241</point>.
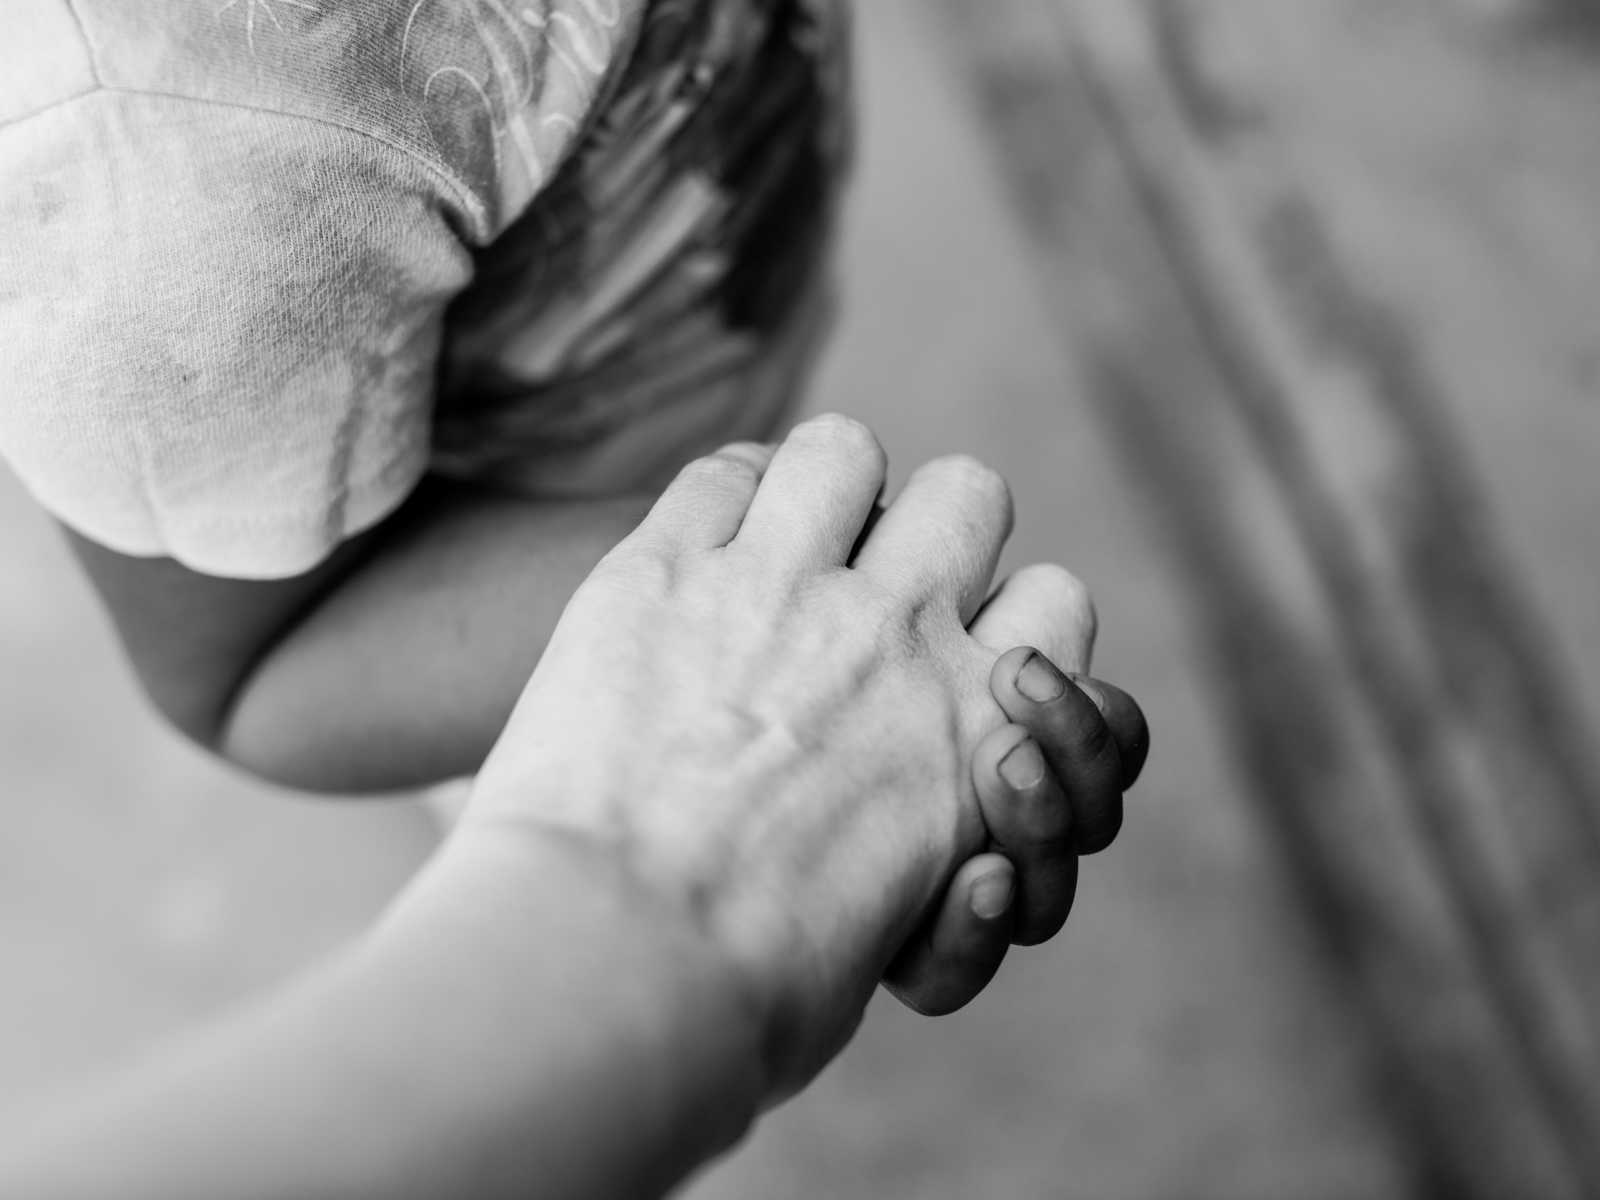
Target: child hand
<point>1050,788</point>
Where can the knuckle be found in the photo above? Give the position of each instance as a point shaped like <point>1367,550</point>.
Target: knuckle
<point>1063,592</point>
<point>882,618</point>
<point>1066,589</point>
<point>642,570</point>
<point>724,472</point>
<point>845,434</point>
<point>968,471</point>
<point>976,478</point>
<point>758,454</point>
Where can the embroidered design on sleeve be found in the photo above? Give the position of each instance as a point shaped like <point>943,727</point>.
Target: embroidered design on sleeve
<point>505,86</point>
<point>678,259</point>
<point>264,7</point>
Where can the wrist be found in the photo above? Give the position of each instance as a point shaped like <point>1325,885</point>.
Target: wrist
<point>805,964</point>
<point>555,960</point>
<point>488,869</point>
<point>670,890</point>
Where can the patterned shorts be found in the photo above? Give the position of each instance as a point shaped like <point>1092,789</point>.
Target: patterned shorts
<point>667,290</point>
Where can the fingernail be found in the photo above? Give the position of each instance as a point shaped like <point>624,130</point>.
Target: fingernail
<point>1092,690</point>
<point>1023,767</point>
<point>991,896</point>
<point>1039,681</point>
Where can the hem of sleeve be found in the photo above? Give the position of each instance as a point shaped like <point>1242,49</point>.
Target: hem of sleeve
<point>265,546</point>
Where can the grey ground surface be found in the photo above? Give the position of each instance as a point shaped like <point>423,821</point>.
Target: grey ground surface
<point>1180,1040</point>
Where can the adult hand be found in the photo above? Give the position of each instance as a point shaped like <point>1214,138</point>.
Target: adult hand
<point>736,784</point>
<point>772,743</point>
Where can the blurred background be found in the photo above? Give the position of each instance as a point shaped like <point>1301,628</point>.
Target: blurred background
<point>1280,316</point>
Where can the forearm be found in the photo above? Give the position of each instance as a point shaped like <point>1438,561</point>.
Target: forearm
<point>405,671</point>
<point>566,1038</point>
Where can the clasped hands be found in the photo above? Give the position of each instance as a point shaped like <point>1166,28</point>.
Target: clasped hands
<point>836,757</point>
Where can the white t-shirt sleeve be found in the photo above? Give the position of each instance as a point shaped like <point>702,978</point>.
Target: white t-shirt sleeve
<point>218,326</point>
<point>228,237</point>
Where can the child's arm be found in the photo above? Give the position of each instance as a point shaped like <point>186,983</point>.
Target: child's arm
<point>394,663</point>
